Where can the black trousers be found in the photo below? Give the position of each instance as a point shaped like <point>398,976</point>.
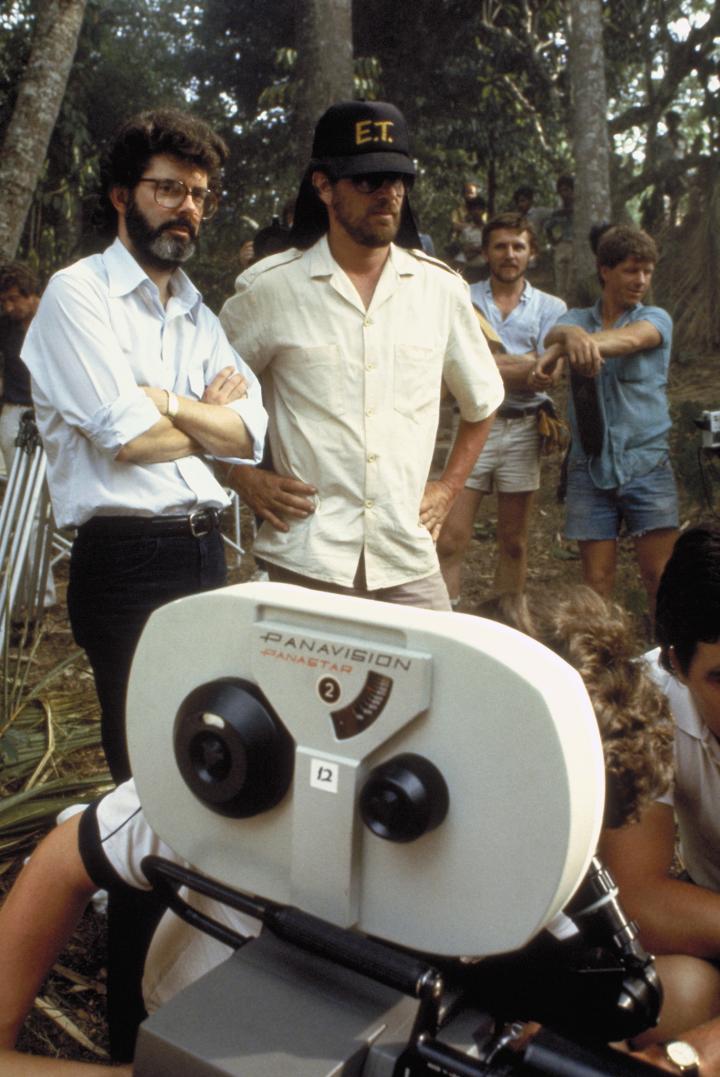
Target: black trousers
<point>115,584</point>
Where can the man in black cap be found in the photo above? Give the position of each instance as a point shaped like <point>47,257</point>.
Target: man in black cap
<point>353,331</point>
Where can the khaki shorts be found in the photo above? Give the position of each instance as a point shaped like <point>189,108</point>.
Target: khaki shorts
<point>510,460</point>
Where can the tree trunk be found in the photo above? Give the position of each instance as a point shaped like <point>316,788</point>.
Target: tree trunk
<point>324,64</point>
<point>39,98</point>
<point>589,126</point>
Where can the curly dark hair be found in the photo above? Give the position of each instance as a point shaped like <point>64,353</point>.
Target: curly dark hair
<point>169,131</point>
<point>687,611</point>
<point>623,241</point>
<point>17,275</point>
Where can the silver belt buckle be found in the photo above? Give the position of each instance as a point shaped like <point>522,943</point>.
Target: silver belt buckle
<point>201,522</point>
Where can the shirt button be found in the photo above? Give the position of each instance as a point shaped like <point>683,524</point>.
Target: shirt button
<point>372,457</point>
<point>369,504</point>
<point>369,411</point>
<point>370,366</point>
<point>367,322</point>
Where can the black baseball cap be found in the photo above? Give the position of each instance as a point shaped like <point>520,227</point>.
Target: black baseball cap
<point>358,137</point>
<point>354,138</point>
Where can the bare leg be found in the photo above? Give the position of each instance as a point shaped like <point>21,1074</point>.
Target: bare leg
<point>599,558</point>
<point>455,537</point>
<point>512,539</point>
<point>652,551</point>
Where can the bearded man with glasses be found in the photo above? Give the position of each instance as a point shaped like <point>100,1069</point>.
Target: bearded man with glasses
<point>135,386</point>
<point>353,331</point>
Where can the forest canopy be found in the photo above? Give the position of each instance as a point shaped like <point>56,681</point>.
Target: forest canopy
<point>484,85</point>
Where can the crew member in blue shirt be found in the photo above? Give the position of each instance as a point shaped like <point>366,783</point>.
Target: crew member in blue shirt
<point>619,471</point>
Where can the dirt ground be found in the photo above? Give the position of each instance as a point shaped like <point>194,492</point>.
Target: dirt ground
<point>76,986</point>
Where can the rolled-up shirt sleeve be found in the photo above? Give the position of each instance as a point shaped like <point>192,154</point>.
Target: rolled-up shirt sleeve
<point>79,368</point>
<point>470,371</point>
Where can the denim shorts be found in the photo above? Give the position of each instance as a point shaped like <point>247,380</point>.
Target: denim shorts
<point>646,503</point>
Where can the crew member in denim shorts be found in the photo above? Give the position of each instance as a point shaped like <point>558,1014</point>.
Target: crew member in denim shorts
<point>618,471</point>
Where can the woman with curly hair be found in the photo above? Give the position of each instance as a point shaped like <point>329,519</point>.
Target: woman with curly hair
<point>638,733</point>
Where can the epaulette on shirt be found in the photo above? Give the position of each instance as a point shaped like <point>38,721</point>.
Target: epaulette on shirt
<point>423,256</point>
<point>246,278</point>
<point>487,329</point>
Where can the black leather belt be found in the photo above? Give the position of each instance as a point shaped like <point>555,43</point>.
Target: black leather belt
<point>517,413</point>
<point>198,523</point>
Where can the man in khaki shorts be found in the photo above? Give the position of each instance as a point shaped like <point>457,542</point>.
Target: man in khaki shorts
<point>510,462</point>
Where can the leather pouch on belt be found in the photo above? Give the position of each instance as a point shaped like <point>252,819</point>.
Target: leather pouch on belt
<point>553,431</point>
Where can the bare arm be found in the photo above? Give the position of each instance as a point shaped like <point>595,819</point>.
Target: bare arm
<point>205,425</point>
<point>674,916</point>
<point>586,351</point>
<point>38,917</point>
<point>440,493</point>
<point>530,371</point>
<point>704,1038</point>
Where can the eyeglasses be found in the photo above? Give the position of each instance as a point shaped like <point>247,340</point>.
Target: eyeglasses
<point>171,193</point>
<point>373,181</point>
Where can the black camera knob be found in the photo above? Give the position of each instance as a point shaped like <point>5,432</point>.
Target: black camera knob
<point>231,748</point>
<point>404,798</point>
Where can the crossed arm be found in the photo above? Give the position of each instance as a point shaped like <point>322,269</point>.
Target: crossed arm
<point>39,916</point>
<point>530,371</point>
<point>585,351</point>
<point>205,425</point>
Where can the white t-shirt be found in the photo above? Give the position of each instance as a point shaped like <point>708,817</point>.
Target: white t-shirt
<point>114,838</point>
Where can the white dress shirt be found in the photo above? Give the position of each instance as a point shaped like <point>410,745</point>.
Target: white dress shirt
<point>100,333</point>
<point>353,397</point>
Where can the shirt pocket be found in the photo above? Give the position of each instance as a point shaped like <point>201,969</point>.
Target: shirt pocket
<point>634,368</point>
<point>417,375</point>
<point>313,379</point>
<point>196,382</point>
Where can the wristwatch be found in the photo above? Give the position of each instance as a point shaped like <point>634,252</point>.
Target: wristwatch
<point>684,1056</point>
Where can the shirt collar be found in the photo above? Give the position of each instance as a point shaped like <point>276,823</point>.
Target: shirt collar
<point>624,318</point>
<point>125,275</point>
<point>596,312</point>
<point>322,264</point>
<point>486,286</point>
<point>685,712</point>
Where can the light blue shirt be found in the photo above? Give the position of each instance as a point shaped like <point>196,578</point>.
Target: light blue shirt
<point>631,394</point>
<point>101,332</point>
<point>524,329</point>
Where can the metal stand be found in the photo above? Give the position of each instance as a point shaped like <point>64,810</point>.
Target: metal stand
<point>235,543</point>
<point>26,531</point>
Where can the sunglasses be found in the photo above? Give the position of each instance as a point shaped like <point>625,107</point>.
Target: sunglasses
<point>373,181</point>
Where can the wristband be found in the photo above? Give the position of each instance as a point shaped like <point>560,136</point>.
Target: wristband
<point>173,405</point>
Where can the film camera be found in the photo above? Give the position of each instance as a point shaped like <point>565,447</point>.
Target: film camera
<point>410,802</point>
<point>709,424</point>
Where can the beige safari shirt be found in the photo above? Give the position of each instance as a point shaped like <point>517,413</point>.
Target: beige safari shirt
<point>353,399</point>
